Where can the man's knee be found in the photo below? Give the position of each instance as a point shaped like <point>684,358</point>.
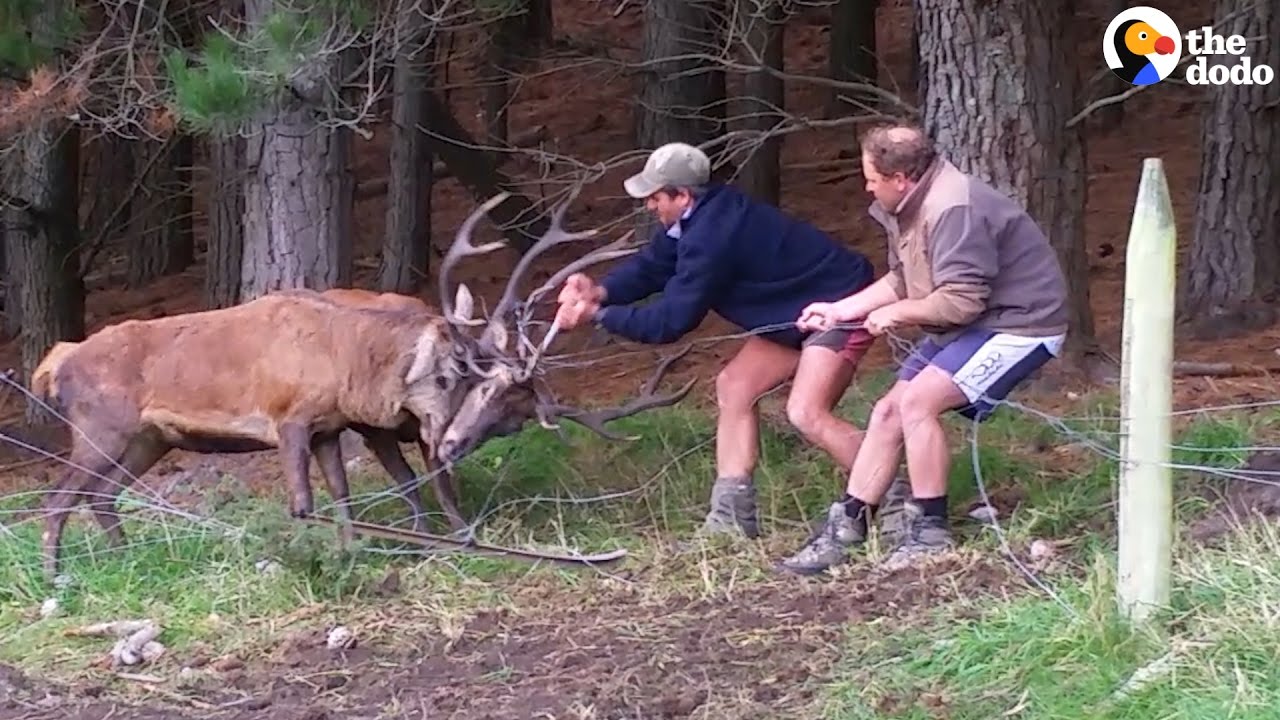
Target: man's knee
<point>804,415</point>
<point>735,388</point>
<point>886,413</point>
<point>927,396</point>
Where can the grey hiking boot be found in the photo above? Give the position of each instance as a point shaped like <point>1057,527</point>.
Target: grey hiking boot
<point>733,509</point>
<point>829,546</point>
<point>926,536</point>
<point>892,515</point>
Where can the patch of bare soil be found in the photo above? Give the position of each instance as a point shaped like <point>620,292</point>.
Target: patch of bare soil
<point>613,654</point>
<point>1249,494</point>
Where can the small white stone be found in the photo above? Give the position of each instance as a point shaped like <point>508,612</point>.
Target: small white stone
<point>268,567</point>
<point>1042,550</point>
<point>62,582</point>
<point>340,638</point>
<point>49,608</point>
<point>984,514</point>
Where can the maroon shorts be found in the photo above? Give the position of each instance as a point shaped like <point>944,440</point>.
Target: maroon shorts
<point>850,344</point>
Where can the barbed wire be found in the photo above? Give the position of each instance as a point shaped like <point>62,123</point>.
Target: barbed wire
<point>153,507</point>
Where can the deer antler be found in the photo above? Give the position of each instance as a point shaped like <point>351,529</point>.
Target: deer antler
<point>554,235</point>
<point>462,247</point>
<point>594,420</point>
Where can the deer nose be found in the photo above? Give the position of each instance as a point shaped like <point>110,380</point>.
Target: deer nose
<point>448,449</point>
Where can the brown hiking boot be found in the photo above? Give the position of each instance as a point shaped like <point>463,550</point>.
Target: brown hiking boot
<point>926,536</point>
<point>892,518</point>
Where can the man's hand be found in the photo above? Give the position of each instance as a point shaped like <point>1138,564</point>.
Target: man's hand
<point>817,316</point>
<point>579,300</point>
<point>577,312</point>
<point>882,320</point>
<point>580,287</point>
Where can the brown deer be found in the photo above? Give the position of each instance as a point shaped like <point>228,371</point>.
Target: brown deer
<point>385,444</point>
<point>289,370</point>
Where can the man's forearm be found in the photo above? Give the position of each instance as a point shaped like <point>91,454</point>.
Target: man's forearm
<point>876,295</point>
<point>954,306</point>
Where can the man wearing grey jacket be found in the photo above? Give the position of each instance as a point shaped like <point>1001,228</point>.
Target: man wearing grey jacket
<point>970,268</point>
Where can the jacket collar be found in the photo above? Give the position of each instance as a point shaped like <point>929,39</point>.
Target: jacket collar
<point>910,203</point>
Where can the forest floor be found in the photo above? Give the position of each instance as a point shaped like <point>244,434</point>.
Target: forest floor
<point>465,637</point>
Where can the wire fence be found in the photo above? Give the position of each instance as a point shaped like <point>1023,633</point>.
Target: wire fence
<point>151,504</point>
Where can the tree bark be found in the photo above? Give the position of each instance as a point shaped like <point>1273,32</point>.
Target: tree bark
<point>1235,245</point>
<point>226,222</point>
<point>680,99</point>
<point>500,40</point>
<point>166,245</point>
<point>477,170</point>
<point>539,25</point>
<point>997,100</point>
<point>998,84</point>
<point>407,240</point>
<point>852,50</point>
<point>298,192</point>
<point>41,189</point>
<point>761,107</point>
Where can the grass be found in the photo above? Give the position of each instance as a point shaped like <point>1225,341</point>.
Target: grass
<point>1025,654</point>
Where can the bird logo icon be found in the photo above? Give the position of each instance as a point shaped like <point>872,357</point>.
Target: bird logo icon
<point>1142,45</point>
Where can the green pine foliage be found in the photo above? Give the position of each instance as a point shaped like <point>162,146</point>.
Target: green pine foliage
<point>230,79</point>
<point>31,33</point>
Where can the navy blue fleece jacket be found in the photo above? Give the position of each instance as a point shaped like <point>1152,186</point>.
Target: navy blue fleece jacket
<point>746,260</point>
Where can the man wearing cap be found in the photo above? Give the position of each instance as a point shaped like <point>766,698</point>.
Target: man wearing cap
<point>720,250</point>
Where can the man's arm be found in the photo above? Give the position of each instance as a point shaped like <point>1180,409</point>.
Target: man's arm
<point>643,274</point>
<point>965,263</point>
<point>882,292</point>
<point>704,270</point>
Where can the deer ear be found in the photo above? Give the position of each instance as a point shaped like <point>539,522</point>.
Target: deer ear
<point>463,304</point>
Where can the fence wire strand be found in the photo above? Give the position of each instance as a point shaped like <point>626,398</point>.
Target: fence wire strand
<point>150,505</point>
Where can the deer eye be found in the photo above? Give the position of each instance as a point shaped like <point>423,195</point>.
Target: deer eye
<point>442,382</point>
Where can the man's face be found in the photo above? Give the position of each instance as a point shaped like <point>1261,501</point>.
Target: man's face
<point>887,189</point>
<point>667,207</point>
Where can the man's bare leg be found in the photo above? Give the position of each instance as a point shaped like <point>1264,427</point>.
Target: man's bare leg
<point>873,471</point>
<point>821,378</point>
<point>758,367</point>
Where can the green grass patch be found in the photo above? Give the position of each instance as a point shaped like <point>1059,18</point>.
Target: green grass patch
<point>219,585</point>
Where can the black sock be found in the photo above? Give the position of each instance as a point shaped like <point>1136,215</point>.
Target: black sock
<point>935,507</point>
<point>860,512</point>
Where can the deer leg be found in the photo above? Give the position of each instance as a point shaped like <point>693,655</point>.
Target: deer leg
<point>138,458</point>
<point>328,452</point>
<point>295,456</point>
<point>386,447</point>
<point>70,491</point>
<point>445,485</point>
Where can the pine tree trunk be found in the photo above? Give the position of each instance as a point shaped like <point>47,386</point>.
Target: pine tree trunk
<point>166,245</point>
<point>298,191</point>
<point>407,239</point>
<point>852,50</point>
<point>998,85</point>
<point>226,222</point>
<point>680,99</point>
<point>40,181</point>
<point>539,25</point>
<point>761,106</point>
<point>1235,245</point>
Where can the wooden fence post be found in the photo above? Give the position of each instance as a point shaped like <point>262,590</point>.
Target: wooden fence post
<point>1145,512</point>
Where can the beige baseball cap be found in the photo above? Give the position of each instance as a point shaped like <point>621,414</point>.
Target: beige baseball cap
<point>674,164</point>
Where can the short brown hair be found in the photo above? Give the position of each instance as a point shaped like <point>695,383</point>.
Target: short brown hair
<point>899,148</point>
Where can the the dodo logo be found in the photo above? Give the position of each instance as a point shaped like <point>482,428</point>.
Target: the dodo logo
<point>1142,45</point>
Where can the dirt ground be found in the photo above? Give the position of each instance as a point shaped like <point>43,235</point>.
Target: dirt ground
<point>616,656</point>
<point>610,659</point>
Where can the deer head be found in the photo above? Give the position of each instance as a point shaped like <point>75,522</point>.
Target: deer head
<point>508,393</point>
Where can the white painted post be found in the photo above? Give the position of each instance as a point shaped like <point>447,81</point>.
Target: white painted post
<point>1145,512</point>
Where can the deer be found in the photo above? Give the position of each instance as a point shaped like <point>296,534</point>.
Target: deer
<point>514,391</point>
<point>385,445</point>
<point>287,371</point>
